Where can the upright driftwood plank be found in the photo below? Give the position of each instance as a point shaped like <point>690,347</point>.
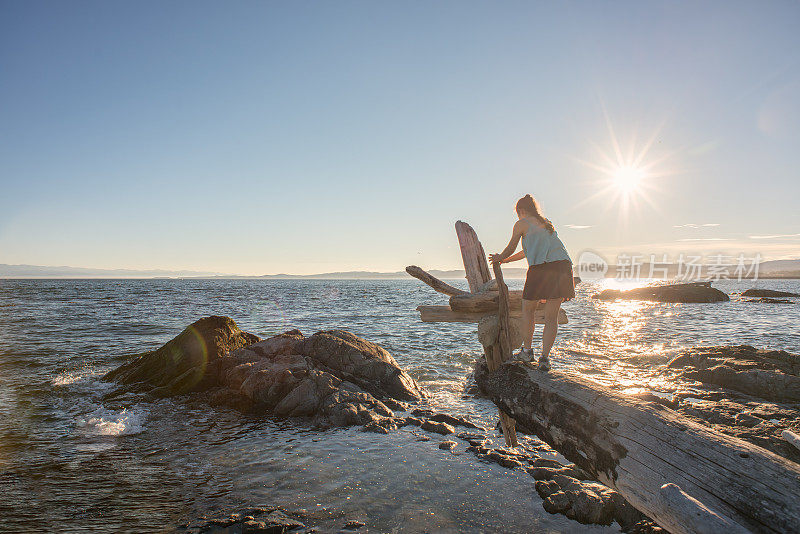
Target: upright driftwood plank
<point>475,265</point>
<point>636,448</point>
<point>503,349</point>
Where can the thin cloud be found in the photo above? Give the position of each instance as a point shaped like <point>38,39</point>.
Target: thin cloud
<point>774,236</point>
<point>578,226</point>
<point>693,225</point>
<point>705,239</point>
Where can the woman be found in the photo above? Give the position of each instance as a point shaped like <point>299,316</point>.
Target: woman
<point>549,277</point>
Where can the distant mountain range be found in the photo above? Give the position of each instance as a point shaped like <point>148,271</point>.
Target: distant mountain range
<point>770,269</point>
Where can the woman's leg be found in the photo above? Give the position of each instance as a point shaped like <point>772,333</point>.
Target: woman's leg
<point>551,308</point>
<point>528,321</point>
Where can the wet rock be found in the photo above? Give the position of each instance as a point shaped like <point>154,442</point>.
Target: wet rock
<point>375,427</point>
<point>447,445</point>
<point>771,375</point>
<point>747,419</point>
<point>274,523</point>
<point>473,438</point>
<point>440,428</point>
<point>333,377</point>
<point>453,421</point>
<point>768,293</point>
<point>353,525</point>
<point>362,362</point>
<point>700,292</point>
<point>188,362</point>
<point>546,462</point>
<point>410,420</point>
<point>768,300</point>
<point>395,404</point>
<point>586,502</point>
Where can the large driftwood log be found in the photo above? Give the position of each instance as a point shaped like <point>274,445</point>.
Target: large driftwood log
<point>475,265</point>
<point>435,283</point>
<point>483,302</point>
<point>444,314</point>
<point>636,448</point>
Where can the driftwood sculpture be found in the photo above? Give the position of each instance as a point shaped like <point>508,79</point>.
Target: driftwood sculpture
<point>487,299</point>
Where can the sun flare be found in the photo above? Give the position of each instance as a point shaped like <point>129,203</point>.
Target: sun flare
<point>628,178</point>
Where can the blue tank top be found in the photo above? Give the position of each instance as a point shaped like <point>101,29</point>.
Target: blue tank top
<point>541,246</point>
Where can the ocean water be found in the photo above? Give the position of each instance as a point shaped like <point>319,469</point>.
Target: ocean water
<point>70,462</point>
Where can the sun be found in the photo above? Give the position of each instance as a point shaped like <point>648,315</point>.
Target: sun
<point>628,178</point>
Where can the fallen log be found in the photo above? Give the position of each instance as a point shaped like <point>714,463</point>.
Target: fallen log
<point>435,283</point>
<point>636,448</point>
<point>485,301</point>
<point>444,314</point>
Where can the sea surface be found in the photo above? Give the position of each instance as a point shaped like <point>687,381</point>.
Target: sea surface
<point>71,463</point>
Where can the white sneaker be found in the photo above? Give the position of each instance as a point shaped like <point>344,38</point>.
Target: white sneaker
<point>524,355</point>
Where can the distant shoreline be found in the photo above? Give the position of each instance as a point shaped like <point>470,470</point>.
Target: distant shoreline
<point>779,269</point>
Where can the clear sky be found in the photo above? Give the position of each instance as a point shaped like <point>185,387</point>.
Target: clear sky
<point>305,137</point>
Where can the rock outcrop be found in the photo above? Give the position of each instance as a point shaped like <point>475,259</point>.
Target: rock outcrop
<point>699,292</point>
<point>334,377</point>
<point>188,362</point>
<point>768,374</point>
<point>768,293</point>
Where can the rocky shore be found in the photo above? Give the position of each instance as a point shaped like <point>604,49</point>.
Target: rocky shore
<point>334,378</point>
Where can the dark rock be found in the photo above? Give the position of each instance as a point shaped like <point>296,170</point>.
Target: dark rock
<point>769,374</point>
<point>274,523</point>
<point>439,428</point>
<point>188,362</point>
<point>230,399</point>
<point>699,292</point>
<point>768,293</point>
<point>413,421</point>
<point>334,377</point>
<point>395,404</point>
<point>768,300</point>
<point>422,412</point>
<point>375,427</point>
<point>447,445</point>
<point>546,462</point>
<point>747,419</point>
<point>364,363</point>
<point>454,421</point>
<point>557,502</point>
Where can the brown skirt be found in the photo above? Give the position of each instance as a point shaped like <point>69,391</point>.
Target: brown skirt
<point>549,280</point>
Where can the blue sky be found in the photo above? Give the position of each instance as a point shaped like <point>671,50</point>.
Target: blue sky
<point>264,137</point>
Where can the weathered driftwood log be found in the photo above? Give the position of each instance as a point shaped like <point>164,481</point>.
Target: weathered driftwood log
<point>435,283</point>
<point>444,314</point>
<point>637,447</point>
<point>475,266</point>
<point>485,301</point>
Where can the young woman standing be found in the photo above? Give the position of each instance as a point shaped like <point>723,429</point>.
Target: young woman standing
<point>549,278</point>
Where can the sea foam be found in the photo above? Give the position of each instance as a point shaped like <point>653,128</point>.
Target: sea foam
<point>104,422</point>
